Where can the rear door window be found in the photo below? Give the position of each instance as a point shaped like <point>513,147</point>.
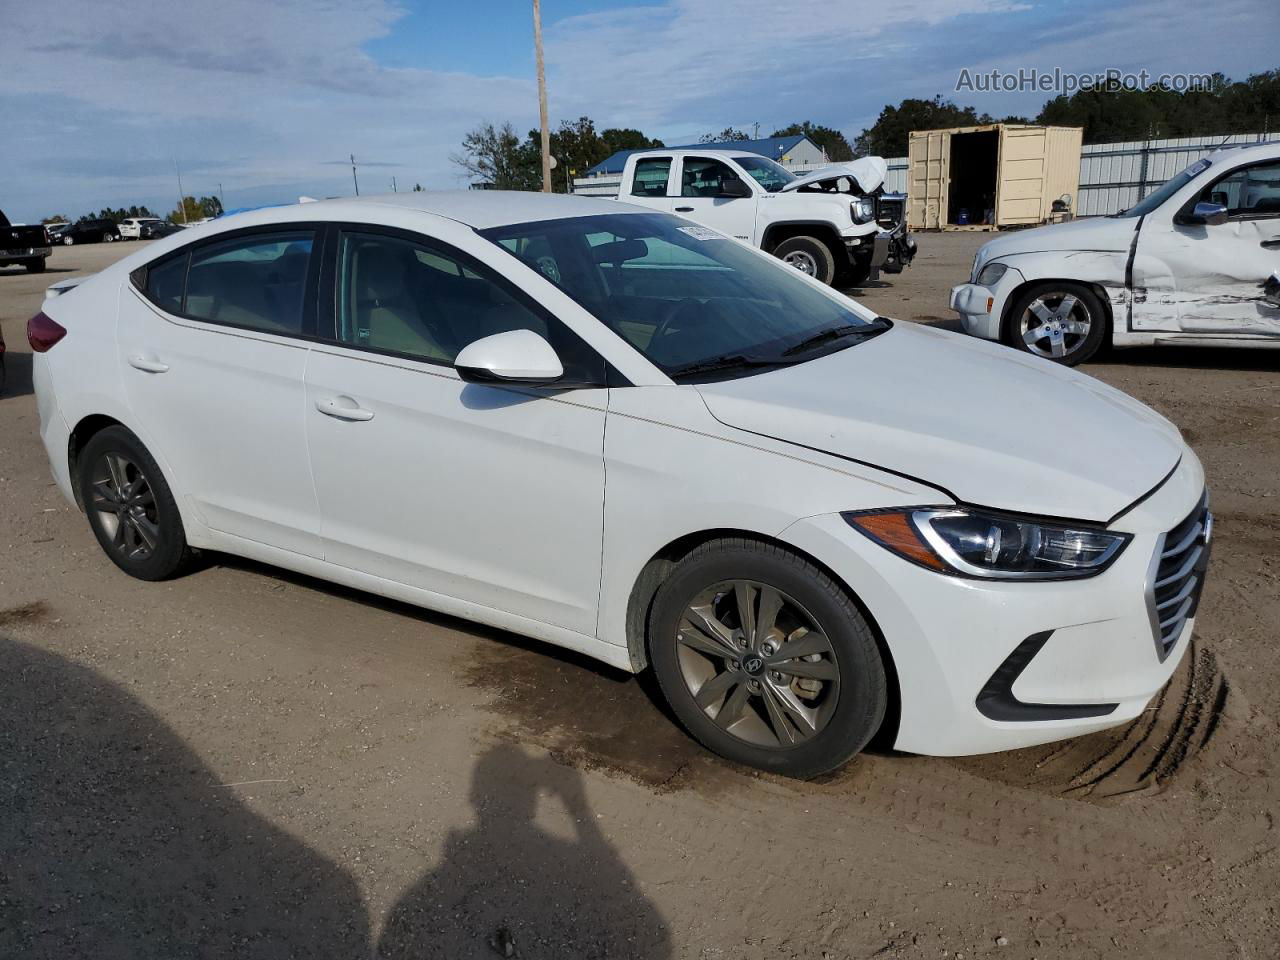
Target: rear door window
<point>165,282</point>
<point>651,176</point>
<point>257,282</point>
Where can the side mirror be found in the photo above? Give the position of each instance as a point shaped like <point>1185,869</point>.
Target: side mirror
<point>734,188</point>
<point>517,356</point>
<point>1206,214</point>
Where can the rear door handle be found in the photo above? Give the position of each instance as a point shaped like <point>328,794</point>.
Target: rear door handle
<point>1272,244</point>
<point>343,408</point>
<point>684,209</point>
<point>147,364</point>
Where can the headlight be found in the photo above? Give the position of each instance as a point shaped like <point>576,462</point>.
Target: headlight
<point>988,546</point>
<point>990,274</point>
<point>863,210</point>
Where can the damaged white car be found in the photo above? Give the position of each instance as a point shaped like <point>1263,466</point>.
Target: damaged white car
<point>1186,265</point>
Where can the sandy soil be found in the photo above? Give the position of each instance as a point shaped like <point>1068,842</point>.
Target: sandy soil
<point>244,763</point>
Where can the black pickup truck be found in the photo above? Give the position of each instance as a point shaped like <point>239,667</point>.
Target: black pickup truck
<point>28,246</point>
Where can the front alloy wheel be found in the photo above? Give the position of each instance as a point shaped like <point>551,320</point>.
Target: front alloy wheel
<point>757,664</point>
<point>765,659</point>
<point>1059,321</point>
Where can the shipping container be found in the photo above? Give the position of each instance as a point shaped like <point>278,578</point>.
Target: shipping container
<point>992,176</point>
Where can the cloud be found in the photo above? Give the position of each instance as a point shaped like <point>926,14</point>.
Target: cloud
<point>101,103</point>
<point>103,99</point>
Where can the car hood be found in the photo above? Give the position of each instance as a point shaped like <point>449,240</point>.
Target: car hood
<point>1095,233</point>
<point>985,423</point>
<point>867,172</point>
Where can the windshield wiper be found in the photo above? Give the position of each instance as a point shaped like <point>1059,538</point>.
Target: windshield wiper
<point>837,333</point>
<point>731,361</point>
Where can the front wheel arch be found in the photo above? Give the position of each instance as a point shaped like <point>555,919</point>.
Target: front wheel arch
<point>655,572</point>
<point>1098,290</point>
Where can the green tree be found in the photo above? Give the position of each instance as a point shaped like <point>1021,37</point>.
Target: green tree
<point>832,141</point>
<point>417,188</point>
<point>888,136</point>
<point>725,135</point>
<point>57,218</point>
<point>495,158</point>
<point>192,209</point>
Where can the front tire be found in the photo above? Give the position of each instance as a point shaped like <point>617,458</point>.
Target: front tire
<point>68,241</point>
<point>1058,320</point>
<point>808,255</point>
<point>765,659</point>
<point>130,507</point>
<point>35,266</point>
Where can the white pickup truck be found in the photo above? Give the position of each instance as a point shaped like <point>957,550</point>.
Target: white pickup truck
<point>835,224</point>
<point>1185,265</point>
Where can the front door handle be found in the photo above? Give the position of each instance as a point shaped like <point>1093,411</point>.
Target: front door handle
<point>344,408</point>
<point>684,209</point>
<point>1272,244</point>
<point>147,364</point>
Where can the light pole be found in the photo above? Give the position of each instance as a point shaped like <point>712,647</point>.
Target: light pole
<point>353,174</point>
<point>542,98</point>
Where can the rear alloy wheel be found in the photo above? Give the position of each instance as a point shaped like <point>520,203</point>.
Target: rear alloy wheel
<point>766,660</point>
<point>808,255</point>
<point>130,508</point>
<point>1059,321</point>
<point>68,240</point>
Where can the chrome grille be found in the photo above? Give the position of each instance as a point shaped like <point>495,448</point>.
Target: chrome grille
<point>1177,576</point>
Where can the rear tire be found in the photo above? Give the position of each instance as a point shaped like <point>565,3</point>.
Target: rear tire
<point>808,255</point>
<point>130,507</point>
<point>719,634</point>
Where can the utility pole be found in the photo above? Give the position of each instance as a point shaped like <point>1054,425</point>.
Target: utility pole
<point>182,199</point>
<point>353,174</point>
<point>755,130</point>
<point>393,185</point>
<point>542,98</point>
<point>221,200</point>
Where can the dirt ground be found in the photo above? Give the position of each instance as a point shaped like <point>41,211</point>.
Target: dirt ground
<point>246,763</point>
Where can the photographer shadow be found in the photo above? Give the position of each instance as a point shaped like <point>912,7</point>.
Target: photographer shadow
<point>118,842</point>
<point>510,887</point>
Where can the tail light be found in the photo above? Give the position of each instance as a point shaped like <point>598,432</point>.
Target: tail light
<point>43,332</point>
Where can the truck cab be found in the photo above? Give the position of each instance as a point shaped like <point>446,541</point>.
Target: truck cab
<point>824,223</point>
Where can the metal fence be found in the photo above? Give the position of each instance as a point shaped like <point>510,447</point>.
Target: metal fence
<point>1113,176</point>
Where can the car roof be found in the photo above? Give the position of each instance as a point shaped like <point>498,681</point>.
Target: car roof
<point>481,209</point>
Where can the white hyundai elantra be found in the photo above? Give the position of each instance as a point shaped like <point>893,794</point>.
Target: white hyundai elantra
<point>614,430</point>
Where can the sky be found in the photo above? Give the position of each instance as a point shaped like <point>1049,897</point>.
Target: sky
<point>108,103</point>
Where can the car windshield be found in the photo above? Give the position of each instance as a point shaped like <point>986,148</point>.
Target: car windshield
<point>1171,186</point>
<point>770,175</point>
<point>695,303</point>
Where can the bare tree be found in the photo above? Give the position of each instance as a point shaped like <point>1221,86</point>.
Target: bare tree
<point>495,158</point>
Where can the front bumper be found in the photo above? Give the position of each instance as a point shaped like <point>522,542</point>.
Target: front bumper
<point>971,654</point>
<point>982,308</point>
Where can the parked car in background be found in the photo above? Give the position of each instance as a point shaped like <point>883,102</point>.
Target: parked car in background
<point>131,227</point>
<point>156,229</point>
<point>1179,267</point>
<point>55,231</point>
<point>823,223</point>
<point>90,231</point>
<point>23,244</point>
<point>614,430</point>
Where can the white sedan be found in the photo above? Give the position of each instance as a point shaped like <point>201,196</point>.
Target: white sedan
<point>612,430</point>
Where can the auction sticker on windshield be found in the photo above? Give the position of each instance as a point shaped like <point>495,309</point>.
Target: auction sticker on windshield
<point>701,233</point>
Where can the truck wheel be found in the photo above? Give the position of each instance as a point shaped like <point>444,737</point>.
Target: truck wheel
<point>808,255</point>
<point>1058,320</point>
<point>853,275</point>
<point>35,266</point>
